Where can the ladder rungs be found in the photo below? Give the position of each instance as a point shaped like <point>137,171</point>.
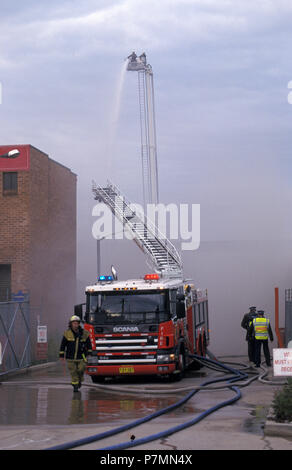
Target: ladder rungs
<point>164,257</point>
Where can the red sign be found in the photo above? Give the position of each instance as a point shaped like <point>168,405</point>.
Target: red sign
<point>42,351</point>
<point>20,162</point>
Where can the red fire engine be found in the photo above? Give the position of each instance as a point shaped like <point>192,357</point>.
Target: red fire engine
<point>151,325</point>
<point>144,326</point>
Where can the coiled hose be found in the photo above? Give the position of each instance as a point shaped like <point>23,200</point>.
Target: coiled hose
<point>236,375</point>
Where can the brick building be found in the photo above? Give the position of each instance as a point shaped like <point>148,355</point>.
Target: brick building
<point>38,236</point>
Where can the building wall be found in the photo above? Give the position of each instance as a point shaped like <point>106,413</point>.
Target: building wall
<point>38,238</point>
<point>62,242</point>
<point>39,255</point>
<point>15,231</point>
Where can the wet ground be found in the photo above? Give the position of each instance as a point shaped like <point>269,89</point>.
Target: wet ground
<point>39,410</point>
<point>31,400</point>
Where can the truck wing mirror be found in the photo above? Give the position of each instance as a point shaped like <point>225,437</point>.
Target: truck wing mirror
<point>180,310</point>
<point>78,310</point>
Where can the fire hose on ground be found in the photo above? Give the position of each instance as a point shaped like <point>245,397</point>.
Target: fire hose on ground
<point>236,375</point>
<point>236,380</point>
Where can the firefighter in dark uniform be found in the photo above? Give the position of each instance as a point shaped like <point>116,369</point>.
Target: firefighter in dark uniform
<point>246,322</point>
<point>75,346</point>
<point>261,330</point>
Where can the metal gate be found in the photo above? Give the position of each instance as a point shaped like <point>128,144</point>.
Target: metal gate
<point>14,336</point>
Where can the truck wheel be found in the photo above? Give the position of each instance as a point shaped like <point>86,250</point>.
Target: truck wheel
<point>195,365</point>
<point>181,365</point>
<point>97,379</point>
<point>181,361</point>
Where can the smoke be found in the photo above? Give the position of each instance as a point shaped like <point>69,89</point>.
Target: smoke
<point>223,129</point>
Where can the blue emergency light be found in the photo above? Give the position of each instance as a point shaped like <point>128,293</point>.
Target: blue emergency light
<point>105,279</point>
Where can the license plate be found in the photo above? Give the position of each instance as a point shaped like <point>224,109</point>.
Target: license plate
<point>126,370</point>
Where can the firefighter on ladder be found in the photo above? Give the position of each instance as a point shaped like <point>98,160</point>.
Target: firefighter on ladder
<point>75,345</point>
<point>261,330</point>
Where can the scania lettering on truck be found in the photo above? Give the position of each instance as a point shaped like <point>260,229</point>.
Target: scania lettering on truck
<point>144,326</point>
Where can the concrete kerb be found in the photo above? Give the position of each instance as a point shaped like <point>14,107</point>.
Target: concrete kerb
<point>25,370</point>
<point>272,428</point>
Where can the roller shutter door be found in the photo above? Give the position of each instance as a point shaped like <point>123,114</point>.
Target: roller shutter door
<point>5,282</point>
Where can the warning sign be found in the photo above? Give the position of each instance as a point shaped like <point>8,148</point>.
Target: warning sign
<point>42,334</point>
<point>282,362</point>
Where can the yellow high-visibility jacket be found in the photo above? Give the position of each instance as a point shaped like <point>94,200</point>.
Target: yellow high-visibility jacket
<point>262,328</point>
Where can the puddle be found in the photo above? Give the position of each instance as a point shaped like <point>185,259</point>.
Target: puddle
<point>57,405</point>
<point>52,404</point>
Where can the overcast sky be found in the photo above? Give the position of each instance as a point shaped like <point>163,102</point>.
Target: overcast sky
<point>221,72</point>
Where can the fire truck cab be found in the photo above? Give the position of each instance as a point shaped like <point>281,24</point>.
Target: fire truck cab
<point>144,326</point>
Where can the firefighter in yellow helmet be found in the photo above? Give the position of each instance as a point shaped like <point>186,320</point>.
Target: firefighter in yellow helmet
<point>261,330</point>
<point>75,346</point>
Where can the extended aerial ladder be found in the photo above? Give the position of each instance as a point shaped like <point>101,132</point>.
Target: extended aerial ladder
<point>147,125</point>
<point>161,253</point>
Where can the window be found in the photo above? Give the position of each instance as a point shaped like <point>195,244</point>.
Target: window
<point>172,302</point>
<point>127,307</point>
<point>10,183</point>
<point>195,314</point>
<point>199,313</point>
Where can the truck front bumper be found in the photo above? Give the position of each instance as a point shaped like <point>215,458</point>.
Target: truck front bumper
<point>131,369</point>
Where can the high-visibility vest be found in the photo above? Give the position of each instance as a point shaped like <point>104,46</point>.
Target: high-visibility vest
<point>261,328</point>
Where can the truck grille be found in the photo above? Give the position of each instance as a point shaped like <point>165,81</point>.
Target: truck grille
<point>126,342</point>
<point>126,349</point>
<point>126,359</point>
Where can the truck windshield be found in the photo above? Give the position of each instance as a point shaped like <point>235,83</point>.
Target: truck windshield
<point>111,307</point>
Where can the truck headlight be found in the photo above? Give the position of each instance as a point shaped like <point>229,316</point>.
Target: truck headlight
<point>162,358</point>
